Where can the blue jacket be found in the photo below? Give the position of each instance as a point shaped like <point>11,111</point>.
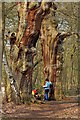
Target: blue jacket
<point>47,85</point>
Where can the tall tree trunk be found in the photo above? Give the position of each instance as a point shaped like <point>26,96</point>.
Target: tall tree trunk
<point>4,59</point>
<point>51,38</point>
<point>1,44</point>
<point>1,47</point>
<point>49,45</point>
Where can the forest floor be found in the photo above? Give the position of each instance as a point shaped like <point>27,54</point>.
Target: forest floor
<point>68,108</point>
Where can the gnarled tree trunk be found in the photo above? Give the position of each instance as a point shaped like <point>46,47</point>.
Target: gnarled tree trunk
<point>49,45</point>
<point>51,39</point>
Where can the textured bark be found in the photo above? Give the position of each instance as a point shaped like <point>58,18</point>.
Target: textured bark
<point>10,76</point>
<point>1,45</point>
<point>5,62</point>
<point>27,50</point>
<point>51,38</point>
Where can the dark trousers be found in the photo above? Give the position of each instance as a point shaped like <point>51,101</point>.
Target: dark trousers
<point>46,94</point>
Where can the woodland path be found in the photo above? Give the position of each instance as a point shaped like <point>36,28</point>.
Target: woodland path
<point>68,108</point>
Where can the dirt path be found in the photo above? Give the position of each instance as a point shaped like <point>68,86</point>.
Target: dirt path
<point>51,109</point>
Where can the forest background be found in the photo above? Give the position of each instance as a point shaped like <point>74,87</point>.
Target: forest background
<point>65,18</point>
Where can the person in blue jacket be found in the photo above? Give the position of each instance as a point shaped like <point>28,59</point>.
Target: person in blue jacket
<point>46,88</point>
